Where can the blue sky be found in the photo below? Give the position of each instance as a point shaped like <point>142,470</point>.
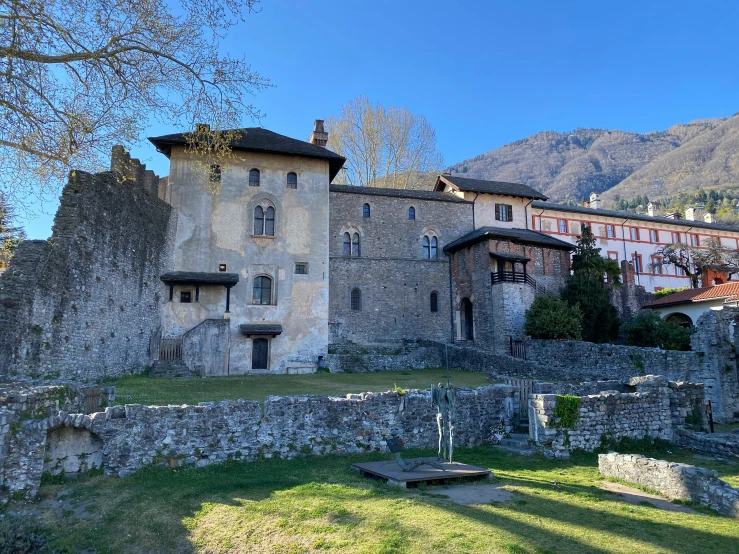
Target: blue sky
<point>485,73</point>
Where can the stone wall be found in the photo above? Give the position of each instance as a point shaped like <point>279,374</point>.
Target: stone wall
<point>134,436</point>
<point>674,480</point>
<point>719,444</point>
<point>658,409</point>
<point>84,304</point>
<point>367,358</point>
<point>395,280</point>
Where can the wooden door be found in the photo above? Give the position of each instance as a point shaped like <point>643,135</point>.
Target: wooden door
<point>260,354</point>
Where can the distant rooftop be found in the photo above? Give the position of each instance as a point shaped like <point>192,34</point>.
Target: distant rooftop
<point>729,291</point>
<point>521,236</point>
<point>400,193</point>
<point>632,216</point>
<point>488,187</point>
<point>256,139</point>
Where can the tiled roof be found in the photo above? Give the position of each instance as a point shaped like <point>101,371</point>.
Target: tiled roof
<point>401,193</point>
<point>489,187</point>
<point>200,278</point>
<point>726,290</point>
<point>631,216</point>
<point>522,236</point>
<point>256,139</point>
<point>273,329</point>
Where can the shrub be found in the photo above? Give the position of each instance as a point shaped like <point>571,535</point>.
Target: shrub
<point>552,318</point>
<point>667,292</point>
<point>648,329</point>
<point>22,534</point>
<point>566,411</point>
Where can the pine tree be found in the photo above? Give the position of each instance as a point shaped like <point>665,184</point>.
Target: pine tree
<point>587,289</point>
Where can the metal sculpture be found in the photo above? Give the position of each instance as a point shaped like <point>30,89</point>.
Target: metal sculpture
<point>395,444</point>
<point>444,397</point>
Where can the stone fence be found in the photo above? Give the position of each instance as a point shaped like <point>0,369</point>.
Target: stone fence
<point>676,481</point>
<point>124,439</point>
<point>657,409</point>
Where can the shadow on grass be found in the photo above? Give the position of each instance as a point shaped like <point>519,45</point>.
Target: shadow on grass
<point>160,510</point>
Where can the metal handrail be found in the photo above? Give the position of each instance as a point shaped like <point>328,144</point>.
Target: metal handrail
<point>516,277</point>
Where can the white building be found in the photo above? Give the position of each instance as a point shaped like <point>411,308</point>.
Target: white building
<point>632,237</point>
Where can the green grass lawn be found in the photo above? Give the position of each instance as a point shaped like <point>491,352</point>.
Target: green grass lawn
<point>144,390</point>
<point>319,504</point>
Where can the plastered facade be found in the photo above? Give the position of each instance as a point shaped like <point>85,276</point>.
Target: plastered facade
<point>218,228</point>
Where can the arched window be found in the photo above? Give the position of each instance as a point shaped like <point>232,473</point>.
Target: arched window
<point>262,293</point>
<point>356,300</point>
<point>366,210</point>
<point>355,245</point>
<point>430,246</point>
<point>259,220</point>
<point>292,180</point>
<point>434,302</point>
<point>269,222</point>
<point>347,244</point>
<point>411,213</point>
<point>254,177</point>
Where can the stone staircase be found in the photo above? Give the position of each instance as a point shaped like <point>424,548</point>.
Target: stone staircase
<point>166,369</point>
<point>519,443</point>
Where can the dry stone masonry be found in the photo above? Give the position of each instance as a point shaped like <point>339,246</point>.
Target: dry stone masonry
<point>657,409</point>
<point>674,480</point>
<point>84,304</point>
<point>124,439</point>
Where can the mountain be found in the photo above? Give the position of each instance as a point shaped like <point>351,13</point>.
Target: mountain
<point>617,164</point>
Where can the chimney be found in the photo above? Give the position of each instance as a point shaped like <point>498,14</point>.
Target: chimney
<point>672,215</point>
<point>202,128</point>
<point>319,136</point>
<point>650,210</point>
<point>690,214</point>
<point>594,201</point>
<point>708,218</point>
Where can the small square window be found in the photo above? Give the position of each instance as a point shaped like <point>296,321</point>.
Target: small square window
<point>186,297</point>
<point>301,269</point>
<point>223,268</point>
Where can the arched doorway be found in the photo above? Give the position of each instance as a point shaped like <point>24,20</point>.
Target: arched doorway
<point>680,319</point>
<point>465,309</point>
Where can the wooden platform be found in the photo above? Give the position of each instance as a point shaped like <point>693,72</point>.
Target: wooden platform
<point>391,472</point>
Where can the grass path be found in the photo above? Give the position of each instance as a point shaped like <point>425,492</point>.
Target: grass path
<point>144,390</point>
<point>311,505</point>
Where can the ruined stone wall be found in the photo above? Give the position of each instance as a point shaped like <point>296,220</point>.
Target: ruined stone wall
<point>674,480</point>
<point>353,358</point>
<point>658,408</point>
<point>718,444</point>
<point>395,280</point>
<point>135,436</point>
<point>84,304</point>
<point>616,415</point>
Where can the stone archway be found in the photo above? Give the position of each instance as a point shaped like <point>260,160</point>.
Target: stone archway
<point>466,315</point>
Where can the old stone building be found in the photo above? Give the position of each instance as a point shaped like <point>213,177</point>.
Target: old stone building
<point>248,282</point>
<point>259,265</point>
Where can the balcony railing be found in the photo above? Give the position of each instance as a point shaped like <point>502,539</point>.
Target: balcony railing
<point>517,277</point>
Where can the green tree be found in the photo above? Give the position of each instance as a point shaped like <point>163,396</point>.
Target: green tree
<point>550,317</point>
<point>588,289</point>
<point>10,236</point>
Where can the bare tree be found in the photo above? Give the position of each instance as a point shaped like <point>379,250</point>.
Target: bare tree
<point>80,76</point>
<point>388,147</point>
<point>10,236</point>
<point>693,260</point>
